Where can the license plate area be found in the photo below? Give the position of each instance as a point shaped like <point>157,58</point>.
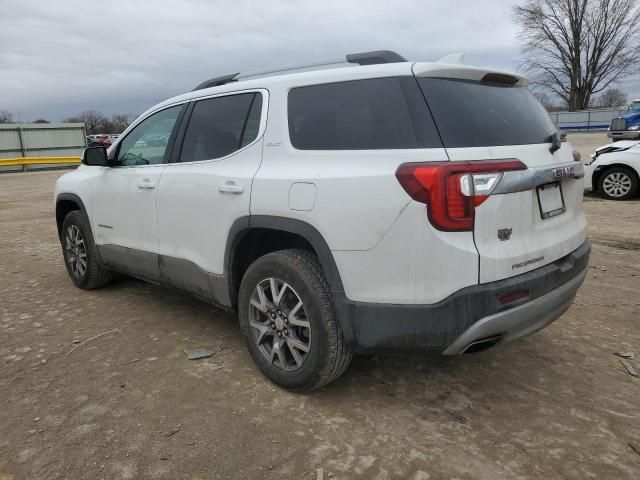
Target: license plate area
<point>550,200</point>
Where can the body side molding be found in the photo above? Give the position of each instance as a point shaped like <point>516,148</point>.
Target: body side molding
<point>216,288</point>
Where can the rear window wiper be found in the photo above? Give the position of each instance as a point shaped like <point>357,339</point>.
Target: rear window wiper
<point>556,142</point>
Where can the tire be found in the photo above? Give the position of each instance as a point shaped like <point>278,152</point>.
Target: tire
<point>301,311</point>
<point>618,183</point>
<point>76,233</point>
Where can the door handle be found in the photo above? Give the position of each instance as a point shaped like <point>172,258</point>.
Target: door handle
<point>231,187</point>
<point>146,184</point>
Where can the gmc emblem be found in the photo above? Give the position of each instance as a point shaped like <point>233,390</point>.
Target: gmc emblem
<point>504,234</point>
<point>564,172</point>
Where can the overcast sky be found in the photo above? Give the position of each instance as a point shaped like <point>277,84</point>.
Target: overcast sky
<point>59,58</point>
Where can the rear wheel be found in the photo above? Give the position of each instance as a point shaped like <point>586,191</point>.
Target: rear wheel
<point>288,321</point>
<point>618,183</point>
<point>80,254</point>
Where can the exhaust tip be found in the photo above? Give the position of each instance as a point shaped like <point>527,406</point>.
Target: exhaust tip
<point>482,344</point>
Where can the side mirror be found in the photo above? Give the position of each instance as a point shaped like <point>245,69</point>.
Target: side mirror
<point>95,156</point>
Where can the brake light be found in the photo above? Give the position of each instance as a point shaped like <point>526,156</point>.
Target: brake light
<point>452,190</point>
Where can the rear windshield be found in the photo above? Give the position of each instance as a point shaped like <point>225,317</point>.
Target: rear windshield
<point>378,113</point>
<point>476,114</point>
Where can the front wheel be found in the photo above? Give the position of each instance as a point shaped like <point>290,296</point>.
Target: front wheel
<point>618,183</point>
<point>288,321</point>
<point>80,254</point>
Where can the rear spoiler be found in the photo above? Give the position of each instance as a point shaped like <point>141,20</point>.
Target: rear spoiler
<point>464,72</point>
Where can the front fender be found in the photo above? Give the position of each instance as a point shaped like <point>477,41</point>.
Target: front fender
<point>75,187</point>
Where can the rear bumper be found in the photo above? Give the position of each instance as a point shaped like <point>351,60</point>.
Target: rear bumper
<point>519,321</point>
<point>624,134</point>
<point>473,314</point>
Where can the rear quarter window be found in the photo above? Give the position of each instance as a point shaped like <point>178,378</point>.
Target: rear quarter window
<point>372,114</point>
<point>483,114</point>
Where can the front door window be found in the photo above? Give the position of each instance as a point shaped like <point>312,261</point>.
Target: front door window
<point>147,143</point>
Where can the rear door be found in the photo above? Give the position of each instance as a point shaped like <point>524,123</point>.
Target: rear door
<point>206,187</point>
<point>534,215</point>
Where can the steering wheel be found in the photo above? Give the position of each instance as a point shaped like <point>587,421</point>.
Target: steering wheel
<point>139,159</point>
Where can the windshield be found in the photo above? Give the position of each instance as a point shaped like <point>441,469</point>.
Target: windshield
<point>480,114</point>
<point>634,107</point>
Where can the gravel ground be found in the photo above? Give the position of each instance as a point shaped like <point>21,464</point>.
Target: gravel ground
<point>587,142</point>
<point>557,405</point>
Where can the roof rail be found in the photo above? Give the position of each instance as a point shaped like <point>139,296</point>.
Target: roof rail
<point>364,58</point>
<point>375,57</point>
<point>216,81</point>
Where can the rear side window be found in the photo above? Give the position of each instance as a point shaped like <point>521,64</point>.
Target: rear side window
<point>479,114</point>
<point>372,114</point>
<point>220,126</point>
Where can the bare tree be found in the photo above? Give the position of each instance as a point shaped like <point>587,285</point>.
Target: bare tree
<point>578,48</point>
<point>119,123</point>
<point>611,97</point>
<point>6,116</point>
<point>93,121</point>
<point>545,100</point>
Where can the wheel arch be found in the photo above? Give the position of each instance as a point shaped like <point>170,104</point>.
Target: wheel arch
<point>258,235</point>
<point>65,203</point>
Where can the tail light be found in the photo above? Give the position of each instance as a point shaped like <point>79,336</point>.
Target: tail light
<point>452,190</point>
<point>576,156</point>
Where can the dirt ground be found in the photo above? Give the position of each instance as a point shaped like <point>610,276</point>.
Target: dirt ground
<point>587,142</point>
<point>129,405</point>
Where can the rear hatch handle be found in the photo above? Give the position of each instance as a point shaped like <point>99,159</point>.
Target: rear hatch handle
<point>523,180</point>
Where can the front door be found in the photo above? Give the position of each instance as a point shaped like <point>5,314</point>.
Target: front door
<point>124,196</point>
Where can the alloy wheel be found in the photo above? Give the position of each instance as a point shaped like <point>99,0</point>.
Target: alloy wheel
<point>617,184</point>
<point>279,324</point>
<point>76,251</point>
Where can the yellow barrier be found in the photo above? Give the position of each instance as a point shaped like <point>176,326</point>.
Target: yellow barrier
<point>10,162</point>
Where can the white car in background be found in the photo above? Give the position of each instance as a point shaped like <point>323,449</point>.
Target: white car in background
<point>614,170</point>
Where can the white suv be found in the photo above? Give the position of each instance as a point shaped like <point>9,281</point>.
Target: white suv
<point>376,205</point>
